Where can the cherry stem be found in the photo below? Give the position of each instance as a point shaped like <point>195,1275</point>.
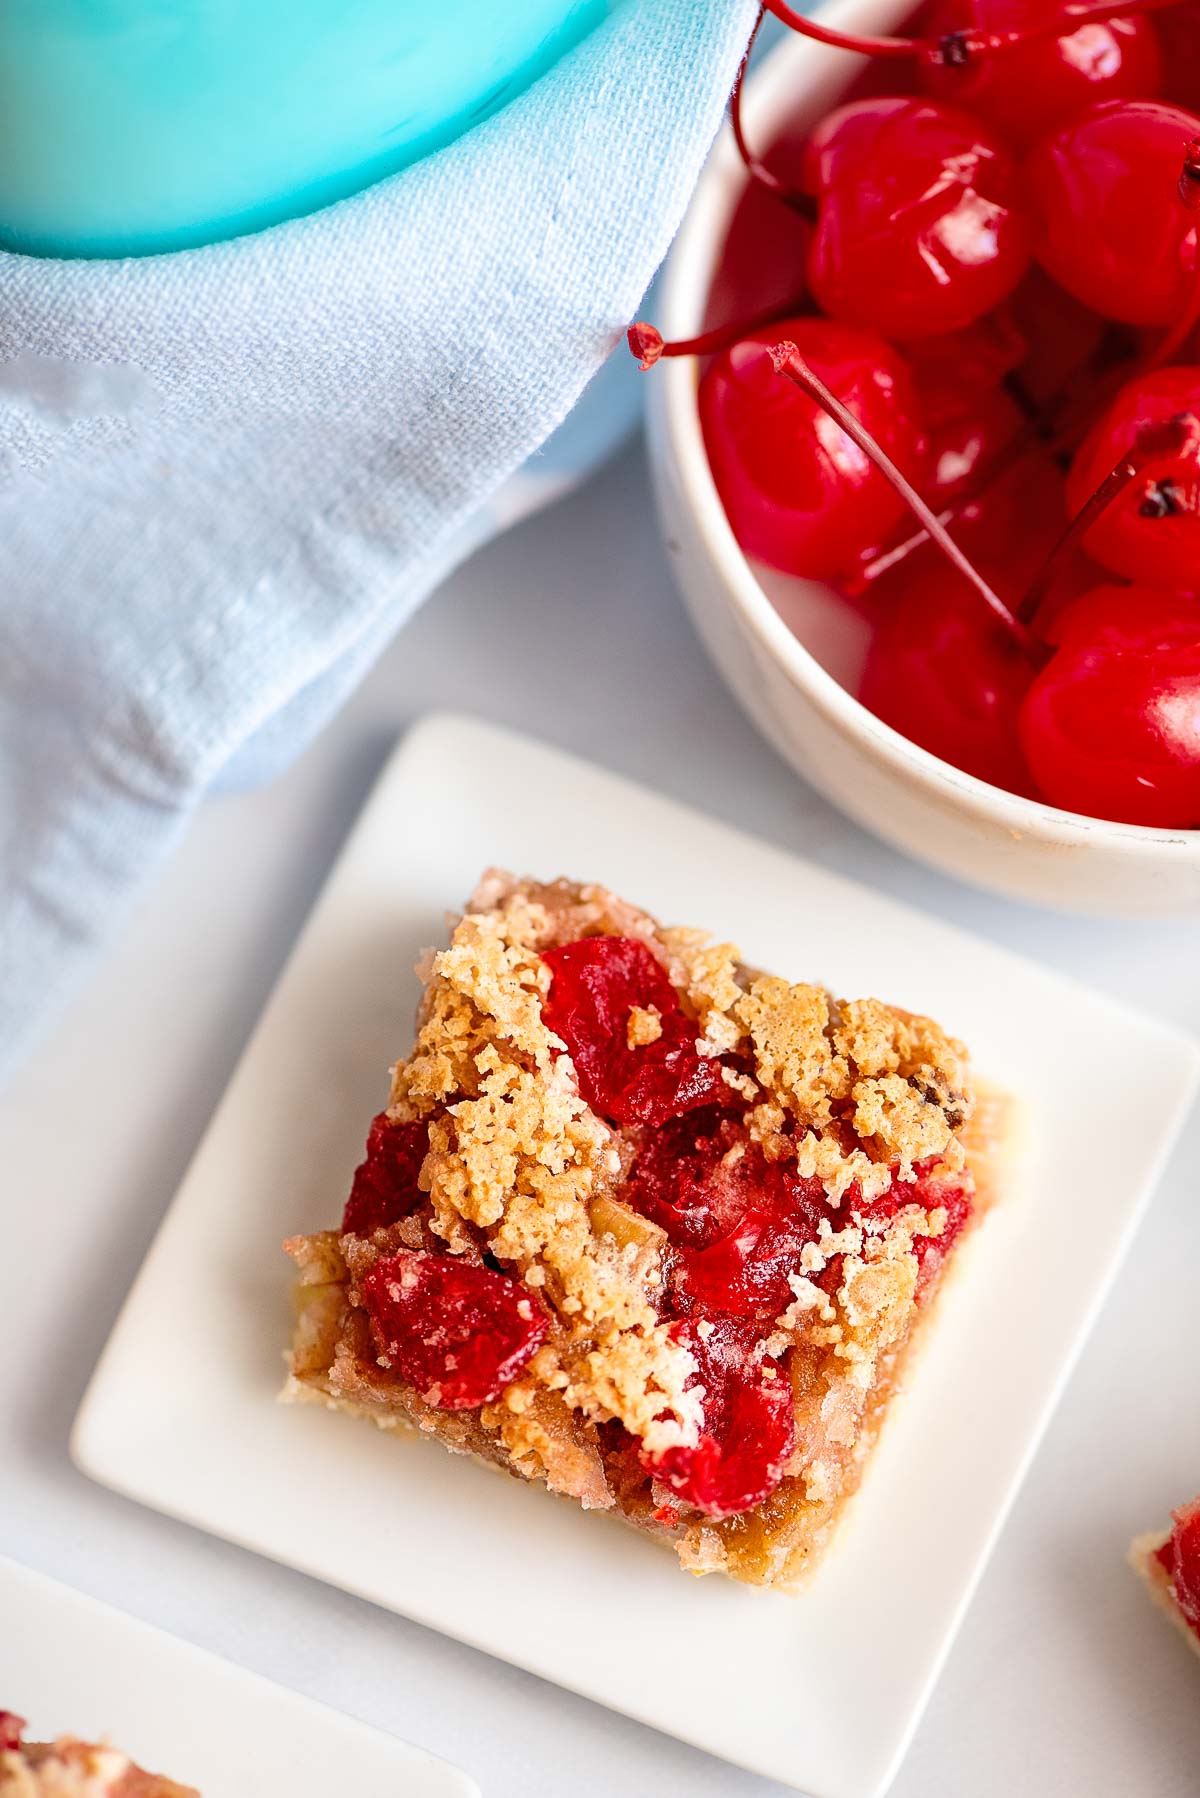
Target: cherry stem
<point>956,49</point>
<point>788,361</point>
<point>755,168</point>
<point>1178,436</point>
<point>647,344</point>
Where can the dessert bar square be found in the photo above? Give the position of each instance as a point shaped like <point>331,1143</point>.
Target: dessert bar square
<point>647,1225</point>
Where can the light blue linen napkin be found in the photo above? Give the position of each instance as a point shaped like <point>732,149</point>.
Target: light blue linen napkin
<point>228,475</point>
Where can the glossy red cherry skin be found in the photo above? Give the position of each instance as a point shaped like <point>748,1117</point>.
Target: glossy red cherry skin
<point>1151,531</point>
<point>963,448</point>
<point>921,227</point>
<point>1109,225</point>
<point>940,669</point>
<point>1027,89</point>
<point>945,674</point>
<point>763,258</point>
<point>1111,725</point>
<point>953,371</point>
<point>1179,34</point>
<point>1065,341</point>
<point>799,495</point>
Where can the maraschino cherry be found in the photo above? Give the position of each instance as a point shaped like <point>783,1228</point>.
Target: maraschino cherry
<point>1179,34</point>
<point>1111,725</point>
<point>941,668</point>
<point>1151,531</point>
<point>1027,89</point>
<point>459,1332</point>
<point>920,227</point>
<point>749,1427</point>
<point>799,495</point>
<point>945,674</point>
<point>1109,222</point>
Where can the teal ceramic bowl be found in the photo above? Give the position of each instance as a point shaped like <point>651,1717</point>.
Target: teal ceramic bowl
<point>131,126</point>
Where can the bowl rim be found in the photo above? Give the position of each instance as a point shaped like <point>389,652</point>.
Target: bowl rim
<point>791,71</point>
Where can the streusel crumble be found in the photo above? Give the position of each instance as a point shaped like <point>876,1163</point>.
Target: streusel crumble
<point>69,1768</point>
<point>645,1224</point>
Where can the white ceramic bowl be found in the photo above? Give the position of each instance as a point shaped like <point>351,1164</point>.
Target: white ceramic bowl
<point>921,804</point>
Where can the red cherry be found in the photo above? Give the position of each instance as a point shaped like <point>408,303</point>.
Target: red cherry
<point>1179,34</point>
<point>1025,90</point>
<point>920,227</point>
<point>1109,223</point>
<point>745,1272</point>
<point>458,1332</point>
<point>687,1180</point>
<point>596,983</point>
<point>1180,1555</point>
<point>1064,339</point>
<point>945,674</point>
<point>940,668</point>
<point>749,1424</point>
<point>965,446</point>
<point>1111,725</point>
<point>12,1728</point>
<point>1151,531</point>
<point>798,493</point>
<point>762,261</point>
<point>954,371</point>
<point>385,1183</point>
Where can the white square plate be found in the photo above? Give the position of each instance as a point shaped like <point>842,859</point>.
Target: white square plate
<point>72,1666</point>
<point>821,1690</point>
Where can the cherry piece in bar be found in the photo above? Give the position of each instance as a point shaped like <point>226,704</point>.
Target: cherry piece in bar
<point>799,495</point>
<point>749,1426</point>
<point>1151,531</point>
<point>746,1272</point>
<point>458,1332</point>
<point>596,984</point>
<point>1025,90</point>
<point>1180,1556</point>
<point>1111,725</point>
<point>12,1728</point>
<point>1108,220</point>
<point>921,226</point>
<point>385,1183</point>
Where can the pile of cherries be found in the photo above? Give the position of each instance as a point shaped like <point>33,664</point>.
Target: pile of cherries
<point>736,1226</point>
<point>990,256</point>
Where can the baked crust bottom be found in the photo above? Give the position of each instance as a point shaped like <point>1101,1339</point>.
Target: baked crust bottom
<point>1143,1558</point>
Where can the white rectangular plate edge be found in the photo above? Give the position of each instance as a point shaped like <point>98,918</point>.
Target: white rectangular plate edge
<point>443,807</point>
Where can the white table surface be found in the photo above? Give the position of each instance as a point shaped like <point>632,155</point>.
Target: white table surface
<point>1063,1680</point>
